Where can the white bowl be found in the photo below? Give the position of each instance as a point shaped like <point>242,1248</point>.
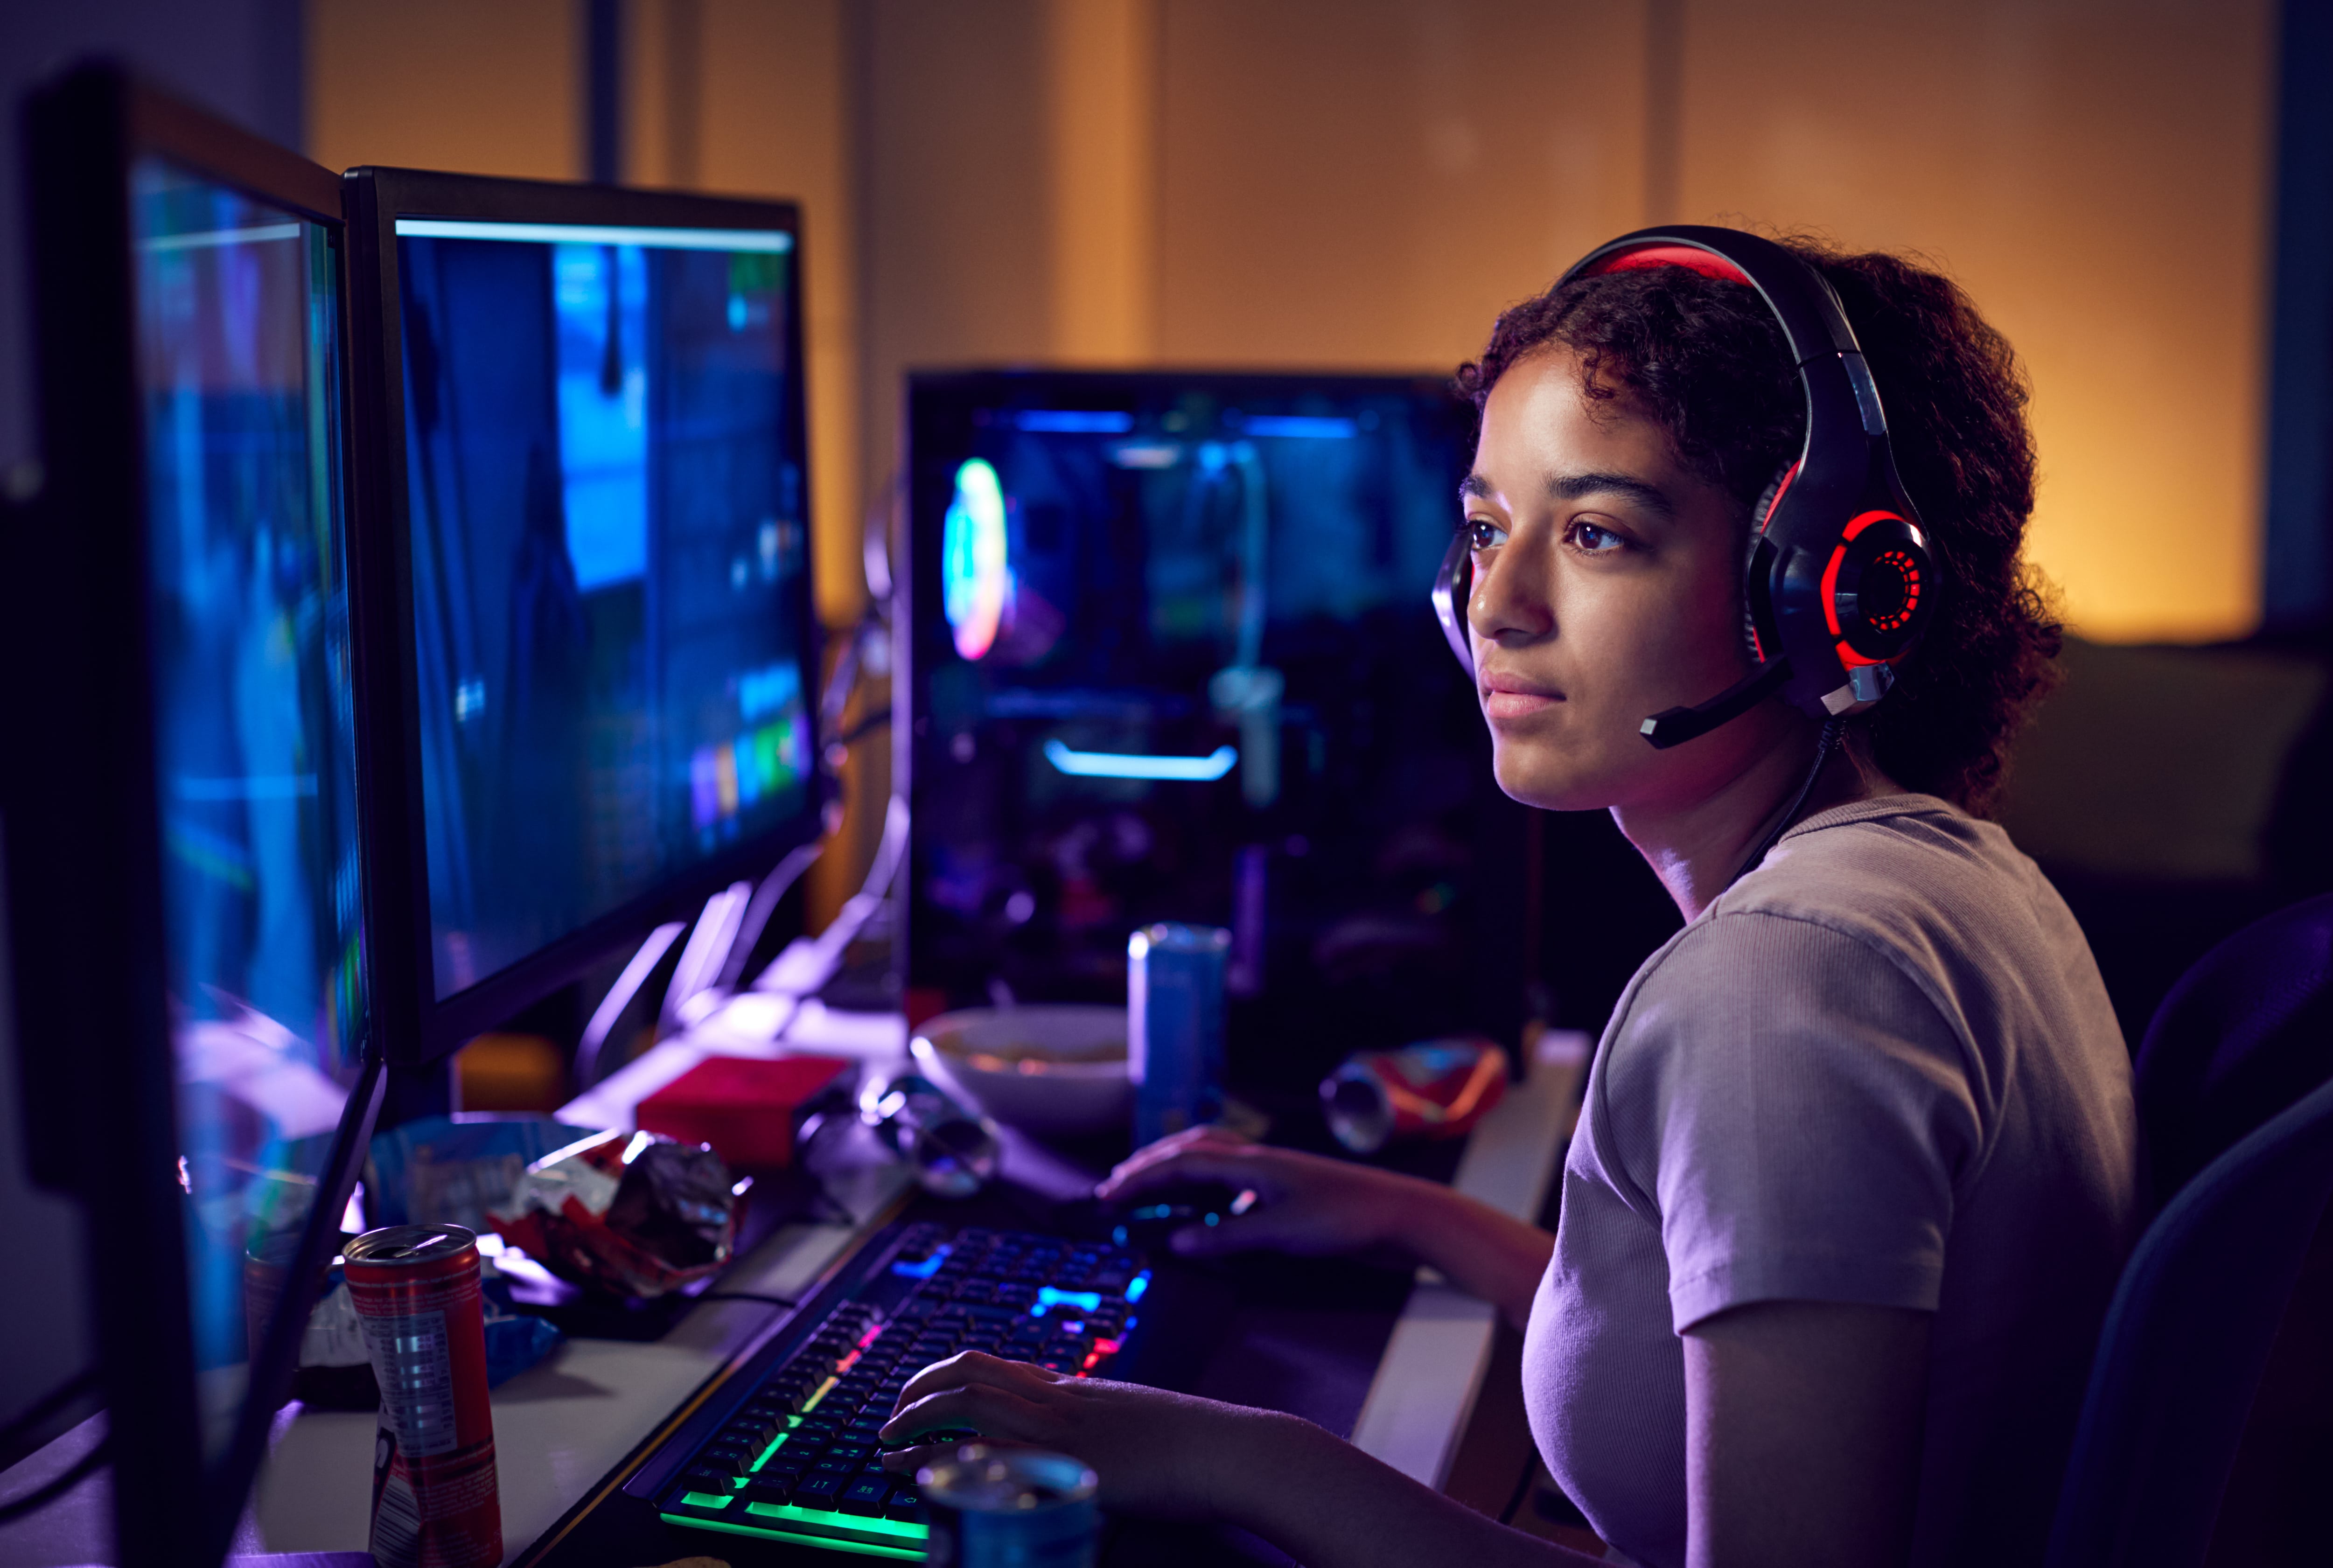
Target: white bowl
<point>1053,1068</point>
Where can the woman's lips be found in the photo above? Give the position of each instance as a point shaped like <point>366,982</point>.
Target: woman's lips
<point>1502,699</point>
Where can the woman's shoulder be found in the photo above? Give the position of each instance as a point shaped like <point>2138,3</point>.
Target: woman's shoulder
<point>1899,917</point>
<point>1912,877</point>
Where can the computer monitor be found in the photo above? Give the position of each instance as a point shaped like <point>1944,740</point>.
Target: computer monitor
<point>1170,657</point>
<point>585,567</point>
<point>186,888</point>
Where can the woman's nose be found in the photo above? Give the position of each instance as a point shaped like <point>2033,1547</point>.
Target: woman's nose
<point>1510,601</point>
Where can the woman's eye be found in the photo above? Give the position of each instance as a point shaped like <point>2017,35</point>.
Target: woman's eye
<point>1590,540</point>
<point>1482,535</point>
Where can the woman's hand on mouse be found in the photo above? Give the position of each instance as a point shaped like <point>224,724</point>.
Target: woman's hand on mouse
<point>1313,1206</point>
<point>1306,1204</point>
<point>1163,1454</point>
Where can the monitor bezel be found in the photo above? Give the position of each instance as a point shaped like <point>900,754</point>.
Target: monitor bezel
<point>87,942</point>
<point>416,1026</point>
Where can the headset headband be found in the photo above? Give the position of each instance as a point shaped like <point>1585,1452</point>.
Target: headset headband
<point>1839,580</point>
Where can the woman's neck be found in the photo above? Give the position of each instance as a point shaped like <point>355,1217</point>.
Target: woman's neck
<point>1697,848</point>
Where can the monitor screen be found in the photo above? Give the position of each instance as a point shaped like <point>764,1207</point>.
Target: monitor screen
<point>608,553</point>
<point>1173,659</point>
<point>237,314</point>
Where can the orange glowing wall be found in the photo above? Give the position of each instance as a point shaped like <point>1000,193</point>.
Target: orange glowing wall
<point>1367,182</point>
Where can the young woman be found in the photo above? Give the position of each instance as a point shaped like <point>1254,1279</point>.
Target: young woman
<point>1857,1168</point>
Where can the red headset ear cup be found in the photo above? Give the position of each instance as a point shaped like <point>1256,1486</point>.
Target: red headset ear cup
<point>1881,590</point>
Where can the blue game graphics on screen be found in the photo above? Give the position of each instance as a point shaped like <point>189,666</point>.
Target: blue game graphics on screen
<point>237,322</point>
<point>1173,659</point>
<point>607,541</point>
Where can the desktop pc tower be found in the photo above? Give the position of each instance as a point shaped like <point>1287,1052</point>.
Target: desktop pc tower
<point>1167,656</point>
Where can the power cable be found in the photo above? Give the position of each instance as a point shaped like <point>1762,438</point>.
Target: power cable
<point>41,1497</point>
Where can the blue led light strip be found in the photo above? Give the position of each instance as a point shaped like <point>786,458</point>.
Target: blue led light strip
<point>1136,765</point>
<point>1310,426</point>
<point>1072,422</point>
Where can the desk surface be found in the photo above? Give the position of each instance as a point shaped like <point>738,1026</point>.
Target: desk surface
<point>563,1427</point>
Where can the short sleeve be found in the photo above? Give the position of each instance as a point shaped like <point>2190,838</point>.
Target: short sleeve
<point>1791,1107</point>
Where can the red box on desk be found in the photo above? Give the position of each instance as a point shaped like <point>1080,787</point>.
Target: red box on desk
<point>744,1106</point>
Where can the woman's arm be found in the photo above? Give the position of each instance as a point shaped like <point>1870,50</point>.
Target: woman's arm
<point>1313,1206</point>
<point>1803,1424</point>
<point>1318,1499</point>
<point>1323,1501</point>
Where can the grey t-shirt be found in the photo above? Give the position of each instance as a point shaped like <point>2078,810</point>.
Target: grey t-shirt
<point>1881,1069</point>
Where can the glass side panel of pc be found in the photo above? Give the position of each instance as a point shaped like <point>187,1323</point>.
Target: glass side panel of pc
<point>1173,659</point>
<point>607,532</point>
<point>237,314</point>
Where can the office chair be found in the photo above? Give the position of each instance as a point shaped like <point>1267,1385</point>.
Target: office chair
<point>2236,1091</point>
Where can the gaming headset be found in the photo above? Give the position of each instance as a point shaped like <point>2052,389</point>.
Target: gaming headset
<point>1839,580</point>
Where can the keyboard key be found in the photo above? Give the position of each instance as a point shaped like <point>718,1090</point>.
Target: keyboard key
<point>858,1361</point>
<point>818,1490</point>
<point>747,1432</point>
<point>867,1495</point>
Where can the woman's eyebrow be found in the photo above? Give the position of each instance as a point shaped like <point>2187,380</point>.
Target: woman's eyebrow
<point>1578,486</point>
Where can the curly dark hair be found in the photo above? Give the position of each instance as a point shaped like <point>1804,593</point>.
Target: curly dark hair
<point>1707,360</point>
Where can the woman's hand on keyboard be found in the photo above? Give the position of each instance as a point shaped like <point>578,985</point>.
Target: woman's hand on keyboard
<point>1163,1454</point>
<point>1304,1203</point>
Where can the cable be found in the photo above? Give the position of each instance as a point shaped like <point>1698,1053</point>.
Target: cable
<point>867,726</point>
<point>1832,730</point>
<point>41,1496</point>
<point>47,1405</point>
<point>1522,1493</point>
<point>746,1296</point>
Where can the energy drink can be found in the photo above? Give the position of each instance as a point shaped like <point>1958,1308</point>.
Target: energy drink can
<point>1009,1508</point>
<point>1174,979</point>
<point>435,1503</point>
<point>1438,1089</point>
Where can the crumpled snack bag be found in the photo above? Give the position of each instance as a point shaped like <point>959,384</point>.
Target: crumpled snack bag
<point>438,1170</point>
<point>628,1213</point>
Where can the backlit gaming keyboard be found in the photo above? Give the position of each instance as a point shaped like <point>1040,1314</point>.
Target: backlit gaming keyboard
<point>795,1458</point>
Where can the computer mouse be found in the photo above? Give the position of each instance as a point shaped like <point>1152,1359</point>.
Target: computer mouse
<point>1145,1223</point>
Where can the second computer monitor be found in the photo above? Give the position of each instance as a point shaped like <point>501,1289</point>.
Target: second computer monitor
<point>601,594</point>
<point>1172,658</point>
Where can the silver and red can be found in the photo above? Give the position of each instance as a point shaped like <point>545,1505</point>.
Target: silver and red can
<point>995,1507</point>
<point>1435,1089</point>
<point>435,1503</point>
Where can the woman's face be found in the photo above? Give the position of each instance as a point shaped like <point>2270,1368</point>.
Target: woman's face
<point>1606,588</point>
